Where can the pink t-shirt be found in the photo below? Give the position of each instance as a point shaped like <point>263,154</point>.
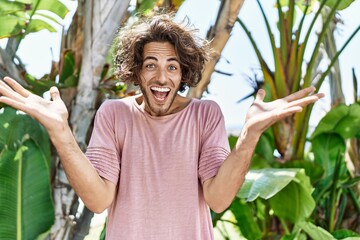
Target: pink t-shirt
<point>158,165</point>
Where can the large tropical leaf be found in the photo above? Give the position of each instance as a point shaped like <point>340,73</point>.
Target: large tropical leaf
<point>327,148</point>
<point>26,207</point>
<point>14,126</point>
<point>314,231</point>
<point>10,26</point>
<point>23,17</point>
<point>277,185</point>
<point>245,219</point>
<point>299,203</point>
<point>313,170</point>
<point>343,120</point>
<point>265,183</point>
<point>343,3</point>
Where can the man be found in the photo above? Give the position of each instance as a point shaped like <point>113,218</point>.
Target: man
<point>157,161</point>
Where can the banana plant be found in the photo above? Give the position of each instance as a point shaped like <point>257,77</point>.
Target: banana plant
<point>288,75</point>
<point>25,16</point>
<point>278,200</point>
<point>26,205</point>
<point>336,190</point>
<point>277,195</point>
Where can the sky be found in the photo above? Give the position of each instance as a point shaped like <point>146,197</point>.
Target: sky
<point>238,58</point>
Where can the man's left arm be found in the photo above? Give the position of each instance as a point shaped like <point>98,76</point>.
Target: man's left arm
<point>220,190</point>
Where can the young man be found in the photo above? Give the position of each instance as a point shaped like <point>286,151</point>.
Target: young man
<point>157,161</point>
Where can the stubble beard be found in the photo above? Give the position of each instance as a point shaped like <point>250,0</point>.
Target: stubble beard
<point>155,109</point>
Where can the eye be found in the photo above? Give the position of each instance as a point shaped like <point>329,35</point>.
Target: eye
<point>172,67</point>
<point>150,66</point>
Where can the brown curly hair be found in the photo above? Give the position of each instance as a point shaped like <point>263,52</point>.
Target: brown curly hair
<point>192,50</point>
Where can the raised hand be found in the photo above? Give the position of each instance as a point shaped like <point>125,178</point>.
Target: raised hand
<point>262,115</point>
<point>51,114</point>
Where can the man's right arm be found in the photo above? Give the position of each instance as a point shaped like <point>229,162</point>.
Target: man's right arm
<point>96,192</point>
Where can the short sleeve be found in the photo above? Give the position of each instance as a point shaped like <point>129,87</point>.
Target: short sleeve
<point>102,150</point>
<point>214,141</point>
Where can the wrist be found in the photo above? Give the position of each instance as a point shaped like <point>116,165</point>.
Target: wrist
<point>60,133</point>
<point>250,133</point>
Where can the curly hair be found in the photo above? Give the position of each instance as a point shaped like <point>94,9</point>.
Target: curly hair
<point>192,50</point>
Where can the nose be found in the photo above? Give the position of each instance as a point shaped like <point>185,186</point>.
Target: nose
<point>162,76</point>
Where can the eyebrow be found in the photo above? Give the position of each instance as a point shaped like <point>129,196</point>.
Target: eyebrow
<point>155,59</point>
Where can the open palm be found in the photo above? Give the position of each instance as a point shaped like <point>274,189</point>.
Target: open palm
<point>49,113</point>
<point>262,115</point>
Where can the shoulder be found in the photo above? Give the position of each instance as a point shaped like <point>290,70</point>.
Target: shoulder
<point>207,106</point>
<point>110,105</point>
<point>113,109</point>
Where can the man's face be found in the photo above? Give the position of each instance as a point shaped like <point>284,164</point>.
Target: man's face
<point>160,78</point>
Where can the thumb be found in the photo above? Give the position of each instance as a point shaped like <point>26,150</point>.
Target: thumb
<point>260,95</point>
<point>55,94</point>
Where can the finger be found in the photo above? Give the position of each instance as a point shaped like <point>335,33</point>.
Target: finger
<point>12,103</point>
<point>17,87</point>
<point>302,102</point>
<point>7,91</point>
<point>4,85</point>
<point>260,95</point>
<point>286,112</point>
<point>300,94</point>
<point>55,94</point>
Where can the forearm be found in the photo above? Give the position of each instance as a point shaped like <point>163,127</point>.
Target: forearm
<point>95,192</point>
<point>220,190</point>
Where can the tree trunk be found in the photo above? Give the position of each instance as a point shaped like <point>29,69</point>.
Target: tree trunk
<point>90,37</point>
<point>337,95</point>
<point>220,34</point>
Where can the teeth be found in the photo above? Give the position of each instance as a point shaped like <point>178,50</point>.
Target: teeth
<point>160,89</point>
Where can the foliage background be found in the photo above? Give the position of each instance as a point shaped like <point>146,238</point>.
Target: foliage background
<point>234,61</point>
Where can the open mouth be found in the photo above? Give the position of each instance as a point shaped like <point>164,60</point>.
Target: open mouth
<point>160,93</point>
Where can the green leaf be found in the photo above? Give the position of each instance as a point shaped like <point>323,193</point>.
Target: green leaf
<point>232,141</point>
<point>15,126</point>
<point>37,25</point>
<point>277,185</point>
<point>265,183</point>
<point>23,17</point>
<point>266,146</point>
<point>53,6</point>
<point>245,219</point>
<point>326,148</point>
<point>313,170</point>
<point>299,203</point>
<point>145,5</point>
<point>343,119</point>
<point>68,66</point>
<point>343,3</point>
<point>7,7</point>
<point>71,81</point>
<point>346,234</point>
<point>25,1</point>
<point>258,162</point>
<point>38,86</point>
<point>25,203</point>
<point>47,18</point>
<point>314,231</point>
<point>9,26</point>
<point>25,196</point>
